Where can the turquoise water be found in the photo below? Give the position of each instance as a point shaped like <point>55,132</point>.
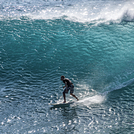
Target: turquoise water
<point>90,42</point>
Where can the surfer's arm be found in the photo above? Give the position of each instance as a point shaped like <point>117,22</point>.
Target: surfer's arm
<point>66,85</point>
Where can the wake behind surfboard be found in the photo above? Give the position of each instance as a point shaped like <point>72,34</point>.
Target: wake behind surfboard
<point>62,104</point>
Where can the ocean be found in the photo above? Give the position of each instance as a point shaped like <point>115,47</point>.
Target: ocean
<point>89,42</point>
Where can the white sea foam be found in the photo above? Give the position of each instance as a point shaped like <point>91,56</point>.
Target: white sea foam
<point>81,11</point>
<point>97,99</point>
<point>88,12</point>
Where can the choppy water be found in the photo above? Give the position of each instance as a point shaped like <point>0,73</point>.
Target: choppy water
<point>90,42</point>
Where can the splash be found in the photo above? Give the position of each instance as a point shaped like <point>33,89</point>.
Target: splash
<point>97,99</point>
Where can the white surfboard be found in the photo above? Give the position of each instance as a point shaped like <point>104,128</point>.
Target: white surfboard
<point>62,104</point>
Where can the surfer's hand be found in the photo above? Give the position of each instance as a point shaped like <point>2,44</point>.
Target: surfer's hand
<point>63,86</point>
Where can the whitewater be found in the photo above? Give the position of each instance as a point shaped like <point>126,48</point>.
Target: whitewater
<point>89,42</point>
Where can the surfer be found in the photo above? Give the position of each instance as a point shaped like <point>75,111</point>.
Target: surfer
<point>68,86</point>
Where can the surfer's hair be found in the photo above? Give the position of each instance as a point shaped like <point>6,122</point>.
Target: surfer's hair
<point>63,76</point>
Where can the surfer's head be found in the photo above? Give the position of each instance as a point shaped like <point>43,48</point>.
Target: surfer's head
<point>62,77</point>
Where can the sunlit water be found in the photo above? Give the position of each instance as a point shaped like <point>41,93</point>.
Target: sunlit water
<point>90,42</point>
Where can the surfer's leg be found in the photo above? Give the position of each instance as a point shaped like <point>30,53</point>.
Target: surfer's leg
<point>64,96</point>
<point>71,92</point>
<point>74,96</point>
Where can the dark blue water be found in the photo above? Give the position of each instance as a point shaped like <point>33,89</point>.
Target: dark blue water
<point>90,42</point>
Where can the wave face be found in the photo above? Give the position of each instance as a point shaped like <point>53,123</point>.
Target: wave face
<point>90,42</point>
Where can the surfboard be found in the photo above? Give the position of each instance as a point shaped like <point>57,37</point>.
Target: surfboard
<point>62,104</point>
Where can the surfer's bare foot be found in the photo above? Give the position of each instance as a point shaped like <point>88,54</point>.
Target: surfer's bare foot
<point>77,99</point>
<point>64,102</point>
